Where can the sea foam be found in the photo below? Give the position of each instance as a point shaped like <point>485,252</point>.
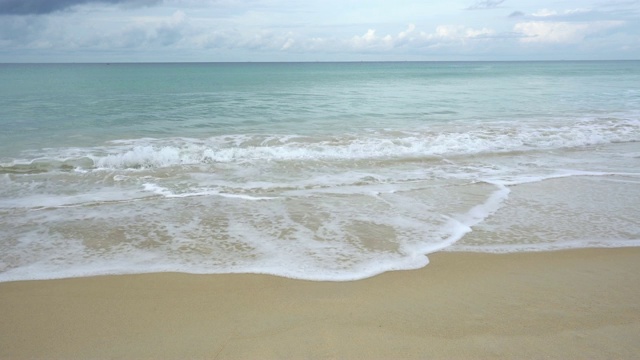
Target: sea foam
<point>328,172</point>
<point>484,138</point>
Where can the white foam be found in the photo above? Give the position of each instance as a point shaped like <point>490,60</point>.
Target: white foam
<point>45,201</point>
<point>328,238</point>
<point>480,212</point>
<point>159,190</point>
<point>246,197</point>
<point>558,174</point>
<point>550,246</point>
<point>482,138</point>
<point>319,208</point>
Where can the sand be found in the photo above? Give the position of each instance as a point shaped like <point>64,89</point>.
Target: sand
<point>566,304</point>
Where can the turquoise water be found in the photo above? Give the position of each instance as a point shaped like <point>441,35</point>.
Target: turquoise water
<point>321,171</point>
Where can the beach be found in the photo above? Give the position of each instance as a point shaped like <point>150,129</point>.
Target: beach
<point>348,210</point>
<point>563,304</point>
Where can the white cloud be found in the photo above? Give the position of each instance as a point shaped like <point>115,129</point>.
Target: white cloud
<point>288,44</point>
<point>550,13</point>
<point>370,40</point>
<point>410,36</point>
<point>560,32</point>
<point>202,30</point>
<point>576,11</point>
<point>407,33</point>
<point>544,13</point>
<point>485,4</point>
<point>460,33</point>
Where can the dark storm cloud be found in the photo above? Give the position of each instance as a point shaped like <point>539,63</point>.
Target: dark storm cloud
<point>40,7</point>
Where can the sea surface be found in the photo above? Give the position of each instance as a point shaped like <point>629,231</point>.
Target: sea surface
<point>318,171</point>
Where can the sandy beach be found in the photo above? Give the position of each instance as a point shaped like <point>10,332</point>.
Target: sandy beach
<point>566,304</point>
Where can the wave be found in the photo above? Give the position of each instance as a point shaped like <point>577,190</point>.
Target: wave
<point>43,165</point>
<point>380,144</point>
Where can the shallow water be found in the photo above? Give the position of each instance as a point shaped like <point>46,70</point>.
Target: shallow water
<point>323,171</point>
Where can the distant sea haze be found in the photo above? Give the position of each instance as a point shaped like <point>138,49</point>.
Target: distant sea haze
<point>319,171</point>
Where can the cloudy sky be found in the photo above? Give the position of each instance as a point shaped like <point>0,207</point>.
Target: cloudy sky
<point>317,30</point>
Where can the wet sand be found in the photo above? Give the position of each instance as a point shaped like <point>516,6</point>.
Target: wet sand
<point>566,304</point>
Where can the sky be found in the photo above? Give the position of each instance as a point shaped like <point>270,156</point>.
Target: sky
<point>317,30</point>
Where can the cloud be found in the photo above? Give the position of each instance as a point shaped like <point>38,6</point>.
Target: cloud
<point>21,30</point>
<point>370,40</point>
<point>545,13</point>
<point>560,32</point>
<point>40,7</point>
<point>275,30</point>
<point>457,32</point>
<point>444,34</point>
<point>616,3</point>
<point>486,4</point>
<point>584,15</point>
<point>140,34</point>
<point>288,44</point>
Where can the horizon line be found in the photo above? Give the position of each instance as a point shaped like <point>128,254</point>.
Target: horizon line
<point>298,62</point>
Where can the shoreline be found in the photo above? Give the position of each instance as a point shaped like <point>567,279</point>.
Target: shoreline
<point>579,303</point>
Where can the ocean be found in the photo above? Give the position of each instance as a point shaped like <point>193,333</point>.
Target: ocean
<point>317,171</point>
